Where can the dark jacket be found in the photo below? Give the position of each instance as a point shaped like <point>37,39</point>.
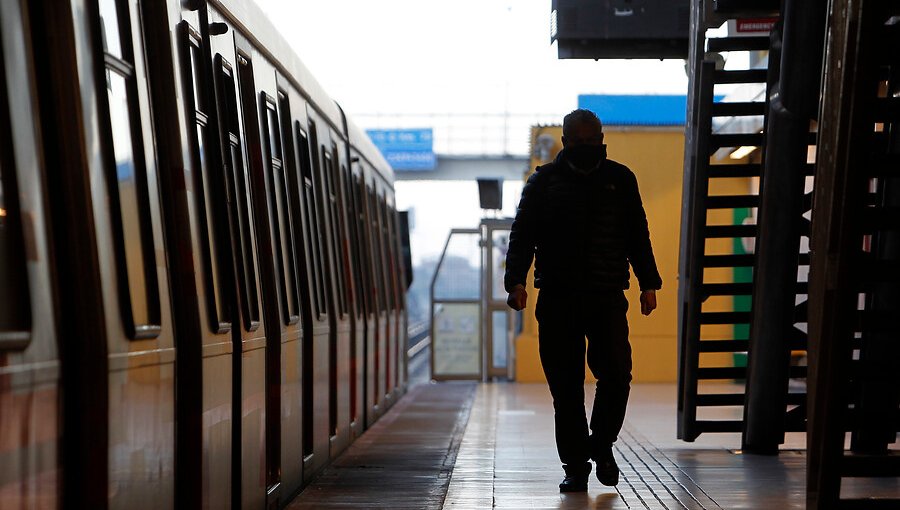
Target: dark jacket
<point>582,229</point>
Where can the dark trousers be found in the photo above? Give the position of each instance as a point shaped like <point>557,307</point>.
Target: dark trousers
<point>565,318</point>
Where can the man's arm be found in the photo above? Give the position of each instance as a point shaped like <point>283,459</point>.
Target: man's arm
<point>522,238</point>
<point>640,252</point>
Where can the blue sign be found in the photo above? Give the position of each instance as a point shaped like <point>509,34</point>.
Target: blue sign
<point>406,149</point>
<point>637,110</point>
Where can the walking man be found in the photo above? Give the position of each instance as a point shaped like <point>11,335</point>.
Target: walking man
<point>581,219</point>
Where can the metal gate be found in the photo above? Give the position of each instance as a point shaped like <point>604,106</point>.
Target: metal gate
<point>498,316</point>
<point>471,325</point>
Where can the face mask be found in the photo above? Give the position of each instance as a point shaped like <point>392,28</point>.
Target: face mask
<point>585,157</point>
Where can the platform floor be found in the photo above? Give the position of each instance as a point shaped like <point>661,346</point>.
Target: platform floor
<point>468,446</point>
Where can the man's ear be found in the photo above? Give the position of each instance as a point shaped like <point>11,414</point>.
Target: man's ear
<point>563,138</point>
<point>601,137</point>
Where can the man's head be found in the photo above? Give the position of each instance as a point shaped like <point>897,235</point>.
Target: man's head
<point>582,127</point>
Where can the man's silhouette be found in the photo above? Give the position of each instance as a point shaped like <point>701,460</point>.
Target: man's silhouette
<point>581,219</point>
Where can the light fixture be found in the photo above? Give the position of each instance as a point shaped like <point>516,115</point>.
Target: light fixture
<point>2,212</point>
<point>742,152</point>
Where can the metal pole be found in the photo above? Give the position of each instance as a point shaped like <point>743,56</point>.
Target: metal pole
<point>793,101</point>
<point>686,262</point>
<point>844,133</point>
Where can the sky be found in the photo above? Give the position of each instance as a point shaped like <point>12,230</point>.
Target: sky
<point>460,66</point>
<point>458,56</point>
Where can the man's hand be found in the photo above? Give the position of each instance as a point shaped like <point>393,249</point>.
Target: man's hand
<point>648,301</point>
<point>518,298</point>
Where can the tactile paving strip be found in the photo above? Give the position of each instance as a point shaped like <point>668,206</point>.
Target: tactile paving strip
<point>650,480</point>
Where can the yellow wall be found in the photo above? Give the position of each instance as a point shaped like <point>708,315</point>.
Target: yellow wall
<point>656,158</point>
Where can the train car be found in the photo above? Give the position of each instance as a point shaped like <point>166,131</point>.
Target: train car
<point>201,279</point>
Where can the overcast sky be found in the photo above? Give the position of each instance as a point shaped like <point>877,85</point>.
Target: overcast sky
<point>383,58</point>
<point>463,56</point>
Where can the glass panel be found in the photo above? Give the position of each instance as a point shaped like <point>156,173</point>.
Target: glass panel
<point>312,228</point>
<point>199,91</point>
<point>457,339</point>
<point>324,210</point>
<point>355,239</point>
<point>274,134</point>
<point>303,145</point>
<point>365,246</point>
<point>109,24</point>
<point>210,194</point>
<point>309,213</point>
<point>286,252</point>
<point>378,273</point>
<point>241,204</point>
<point>129,203</point>
<point>331,199</point>
<point>499,247</point>
<point>499,339</point>
<point>388,259</point>
<point>14,301</point>
<point>319,240</point>
<point>459,276</point>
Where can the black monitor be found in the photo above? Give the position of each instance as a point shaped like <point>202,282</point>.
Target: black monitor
<point>490,193</point>
<point>598,29</point>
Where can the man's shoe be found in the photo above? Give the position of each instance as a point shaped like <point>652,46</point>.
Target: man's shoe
<point>607,469</point>
<point>574,483</point>
<point>576,477</point>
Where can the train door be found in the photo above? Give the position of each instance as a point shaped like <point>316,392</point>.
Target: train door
<point>340,239</point>
<point>250,329</point>
<point>319,355</point>
<point>387,294</point>
<point>392,288</point>
<point>297,436</point>
<point>356,226</point>
<point>263,364</point>
<point>382,328</point>
<point>368,296</point>
<point>29,360</point>
<point>399,290</point>
<point>134,275</point>
<point>116,344</point>
<point>352,280</point>
<point>198,243</point>
<point>292,351</point>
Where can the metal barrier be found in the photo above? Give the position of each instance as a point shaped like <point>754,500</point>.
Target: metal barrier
<point>471,327</point>
<point>456,351</point>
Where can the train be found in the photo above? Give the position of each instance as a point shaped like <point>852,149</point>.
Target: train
<point>202,268</point>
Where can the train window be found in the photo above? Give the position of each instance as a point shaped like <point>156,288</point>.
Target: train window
<point>389,254</point>
<point>282,225</point>
<point>366,237</point>
<point>321,241</point>
<point>312,221</point>
<point>211,216</point>
<point>238,189</point>
<point>355,240</point>
<point>136,264</point>
<point>395,242</point>
<point>339,232</point>
<point>332,204</point>
<point>345,212</point>
<point>15,304</point>
<point>292,199</point>
<point>378,248</point>
<point>109,24</point>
